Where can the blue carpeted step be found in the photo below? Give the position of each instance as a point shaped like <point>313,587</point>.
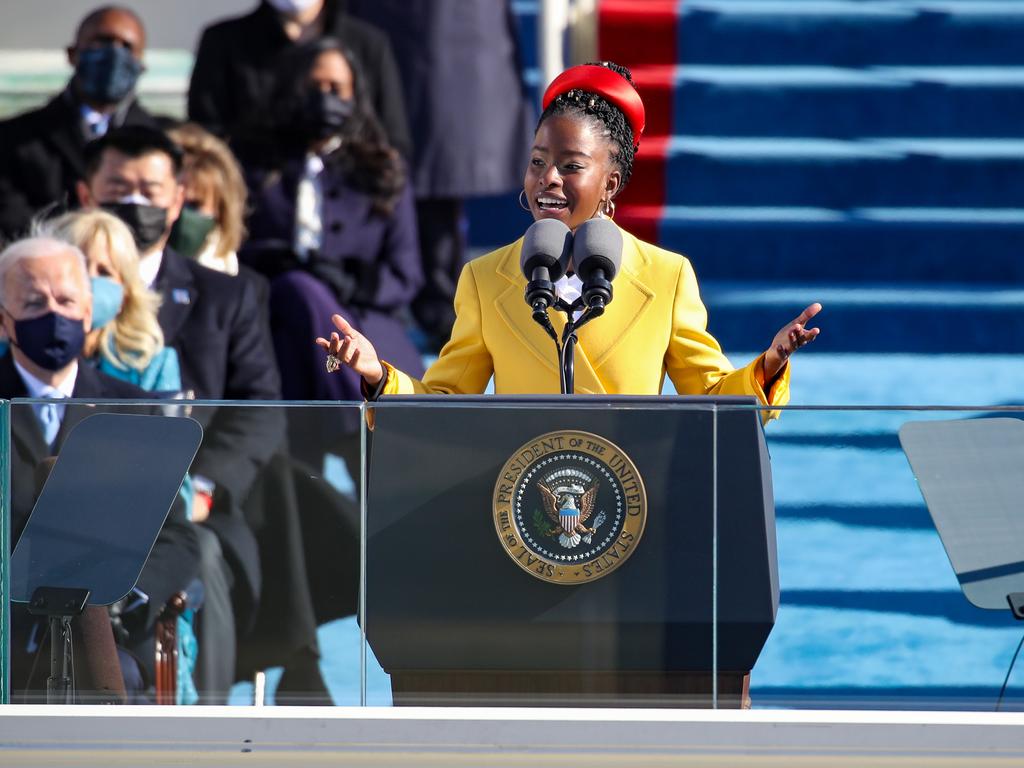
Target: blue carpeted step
<point>712,171</point>
<point>851,33</point>
<point>821,647</point>
<point>860,383</point>
<point>776,243</point>
<point>899,516</point>
<point>837,102</point>
<point>921,318</point>
<point>495,220</point>
<point>826,557</point>
<point>869,244</point>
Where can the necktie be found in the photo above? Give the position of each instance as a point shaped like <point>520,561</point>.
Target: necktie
<point>49,419</point>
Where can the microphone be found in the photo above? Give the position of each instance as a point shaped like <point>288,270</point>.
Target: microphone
<point>547,248</point>
<point>597,254</point>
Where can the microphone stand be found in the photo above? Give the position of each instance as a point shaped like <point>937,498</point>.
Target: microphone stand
<point>566,349</point>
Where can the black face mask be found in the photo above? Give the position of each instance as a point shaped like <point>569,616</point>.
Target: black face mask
<point>51,341</point>
<point>325,114</point>
<point>147,222</point>
<point>108,74</point>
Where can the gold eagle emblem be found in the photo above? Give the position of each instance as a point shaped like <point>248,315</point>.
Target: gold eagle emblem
<point>570,520</point>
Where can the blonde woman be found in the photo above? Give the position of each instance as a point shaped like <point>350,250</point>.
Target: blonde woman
<point>125,341</point>
<point>211,226</point>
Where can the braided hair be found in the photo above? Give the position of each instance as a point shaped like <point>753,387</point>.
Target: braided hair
<point>601,112</point>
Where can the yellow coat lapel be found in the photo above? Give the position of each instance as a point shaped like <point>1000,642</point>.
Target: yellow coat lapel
<point>632,298</point>
<point>597,340</point>
<point>511,305</point>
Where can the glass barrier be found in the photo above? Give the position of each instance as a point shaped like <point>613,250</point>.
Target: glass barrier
<point>250,591</point>
<point>900,536</point>
<point>543,551</point>
<point>595,552</point>
<point>5,548</point>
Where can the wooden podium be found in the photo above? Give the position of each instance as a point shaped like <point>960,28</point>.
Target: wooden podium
<point>471,600</point>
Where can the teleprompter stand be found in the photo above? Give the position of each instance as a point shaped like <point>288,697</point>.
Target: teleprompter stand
<point>95,522</point>
<point>455,620</point>
<point>59,605</point>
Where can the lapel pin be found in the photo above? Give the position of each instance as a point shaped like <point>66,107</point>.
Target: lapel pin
<point>180,296</point>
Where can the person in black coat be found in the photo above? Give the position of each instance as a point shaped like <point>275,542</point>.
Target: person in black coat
<point>46,311</point>
<point>41,151</point>
<point>234,74</point>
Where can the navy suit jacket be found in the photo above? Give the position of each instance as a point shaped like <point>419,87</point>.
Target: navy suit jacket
<point>218,325</point>
<point>370,261</point>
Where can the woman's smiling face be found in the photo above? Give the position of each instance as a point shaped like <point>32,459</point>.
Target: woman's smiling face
<point>570,171</point>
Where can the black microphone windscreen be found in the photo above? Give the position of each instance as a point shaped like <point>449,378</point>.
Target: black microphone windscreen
<point>547,243</point>
<point>597,245</point>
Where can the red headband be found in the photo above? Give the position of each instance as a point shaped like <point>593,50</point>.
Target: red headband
<point>603,82</point>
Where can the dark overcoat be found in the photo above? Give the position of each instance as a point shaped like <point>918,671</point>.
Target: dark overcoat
<point>218,326</point>
<point>371,260</point>
<point>41,158</point>
<point>234,74</point>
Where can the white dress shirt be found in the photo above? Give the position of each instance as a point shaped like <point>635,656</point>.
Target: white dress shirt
<point>149,268</point>
<point>569,288</point>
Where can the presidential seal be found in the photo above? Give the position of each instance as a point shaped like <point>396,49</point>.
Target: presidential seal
<point>569,507</point>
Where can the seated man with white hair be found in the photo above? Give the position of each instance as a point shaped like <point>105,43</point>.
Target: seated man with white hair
<point>45,313</point>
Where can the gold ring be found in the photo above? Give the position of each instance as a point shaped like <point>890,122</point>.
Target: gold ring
<point>333,363</point>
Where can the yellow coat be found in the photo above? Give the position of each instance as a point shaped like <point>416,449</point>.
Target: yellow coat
<point>655,325</point>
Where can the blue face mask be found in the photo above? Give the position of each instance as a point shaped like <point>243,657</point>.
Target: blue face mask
<point>51,341</point>
<point>108,74</point>
<point>107,297</point>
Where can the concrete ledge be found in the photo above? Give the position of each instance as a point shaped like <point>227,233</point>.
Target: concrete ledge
<point>155,737</point>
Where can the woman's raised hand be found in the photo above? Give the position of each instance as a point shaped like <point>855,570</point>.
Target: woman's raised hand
<point>787,341</point>
<point>353,349</point>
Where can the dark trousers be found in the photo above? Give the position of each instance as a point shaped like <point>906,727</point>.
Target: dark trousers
<point>215,622</point>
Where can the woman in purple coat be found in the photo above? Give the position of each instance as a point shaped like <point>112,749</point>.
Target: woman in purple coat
<point>333,222</point>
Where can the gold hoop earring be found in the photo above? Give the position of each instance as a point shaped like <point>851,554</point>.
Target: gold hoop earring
<point>608,208</point>
<point>522,200</point>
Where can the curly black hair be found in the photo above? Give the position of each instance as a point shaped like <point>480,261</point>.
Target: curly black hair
<point>365,156</point>
<point>601,112</point>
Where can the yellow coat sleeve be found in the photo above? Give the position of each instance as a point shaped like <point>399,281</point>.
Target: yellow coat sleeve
<point>464,366</point>
<point>695,362</point>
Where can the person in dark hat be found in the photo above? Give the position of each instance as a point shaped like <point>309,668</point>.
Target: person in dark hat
<point>581,159</point>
